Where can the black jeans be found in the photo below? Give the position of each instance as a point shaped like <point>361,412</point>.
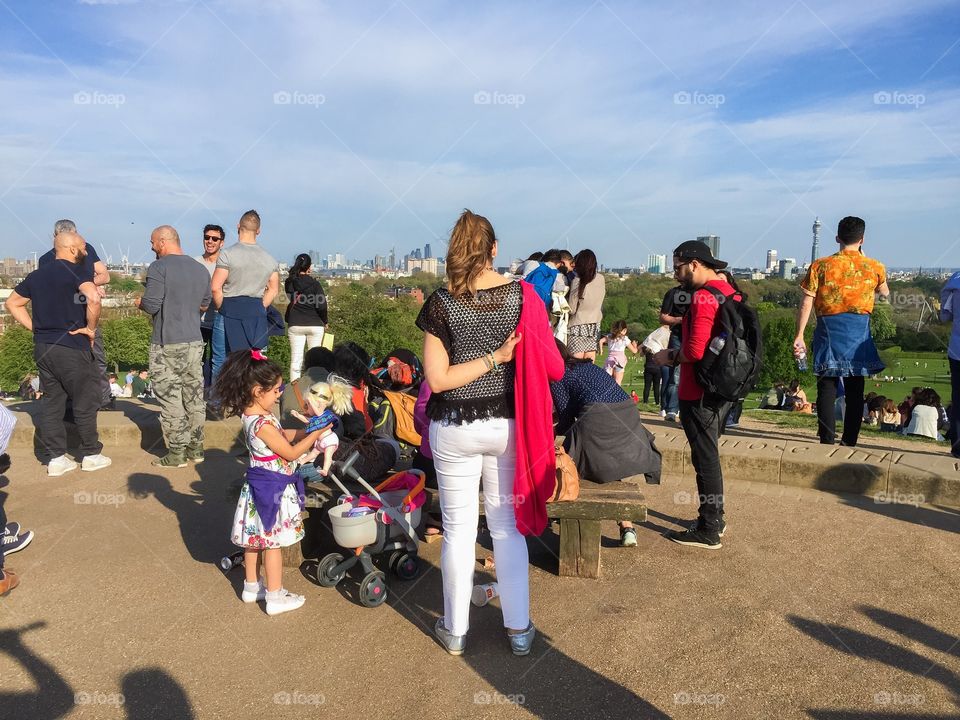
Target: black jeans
<point>68,373</point>
<point>701,424</point>
<point>852,415</point>
<point>955,402</point>
<point>100,357</point>
<point>651,377</point>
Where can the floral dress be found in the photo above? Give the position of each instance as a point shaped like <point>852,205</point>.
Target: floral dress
<point>248,531</point>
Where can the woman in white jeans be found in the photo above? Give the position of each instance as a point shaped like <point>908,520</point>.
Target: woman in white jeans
<point>468,361</point>
<point>306,315</point>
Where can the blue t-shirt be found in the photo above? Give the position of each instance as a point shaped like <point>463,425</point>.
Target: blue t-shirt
<point>581,385</point>
<point>57,304</point>
<point>92,258</point>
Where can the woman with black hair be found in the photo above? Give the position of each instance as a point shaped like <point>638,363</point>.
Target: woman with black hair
<point>306,315</point>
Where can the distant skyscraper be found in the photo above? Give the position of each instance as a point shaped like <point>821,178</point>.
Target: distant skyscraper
<point>815,251</point>
<point>787,266</point>
<point>393,259</point>
<point>772,265</point>
<point>427,253</point>
<point>656,264</point>
<point>417,254</point>
<point>713,242</point>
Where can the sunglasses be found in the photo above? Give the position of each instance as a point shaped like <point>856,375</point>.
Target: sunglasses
<point>211,238</point>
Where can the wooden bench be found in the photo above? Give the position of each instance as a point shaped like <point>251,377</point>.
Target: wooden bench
<point>580,519</point>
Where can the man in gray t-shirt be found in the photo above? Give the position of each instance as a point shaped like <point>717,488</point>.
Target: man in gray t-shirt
<point>177,292</point>
<point>245,283</point>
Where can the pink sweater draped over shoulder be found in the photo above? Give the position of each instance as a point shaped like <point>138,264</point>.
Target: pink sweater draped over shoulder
<point>538,362</point>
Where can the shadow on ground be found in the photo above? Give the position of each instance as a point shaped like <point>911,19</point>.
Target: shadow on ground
<point>871,648</point>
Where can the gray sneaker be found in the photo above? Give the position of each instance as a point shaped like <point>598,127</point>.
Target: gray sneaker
<point>453,644</point>
<point>195,454</point>
<point>521,643</point>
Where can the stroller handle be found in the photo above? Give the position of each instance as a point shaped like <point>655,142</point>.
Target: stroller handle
<point>349,471</point>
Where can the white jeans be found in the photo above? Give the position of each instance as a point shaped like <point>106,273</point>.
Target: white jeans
<point>311,335</point>
<point>462,455</point>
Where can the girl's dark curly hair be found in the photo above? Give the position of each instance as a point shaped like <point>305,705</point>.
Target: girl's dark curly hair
<point>238,378</point>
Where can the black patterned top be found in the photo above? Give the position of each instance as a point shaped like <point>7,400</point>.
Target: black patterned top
<point>470,327</point>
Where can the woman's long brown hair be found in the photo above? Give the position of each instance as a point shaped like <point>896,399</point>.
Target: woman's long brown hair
<point>469,252</point>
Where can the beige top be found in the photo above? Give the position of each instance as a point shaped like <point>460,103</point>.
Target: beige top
<point>590,309</point>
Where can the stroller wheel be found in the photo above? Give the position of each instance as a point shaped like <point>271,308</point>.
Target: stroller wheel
<point>373,589</point>
<point>407,567</point>
<point>394,559</point>
<point>325,568</point>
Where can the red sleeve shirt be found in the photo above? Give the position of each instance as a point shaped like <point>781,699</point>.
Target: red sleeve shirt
<point>698,329</point>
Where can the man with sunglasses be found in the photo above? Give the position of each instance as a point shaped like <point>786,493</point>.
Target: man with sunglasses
<point>701,415</point>
<point>211,324</point>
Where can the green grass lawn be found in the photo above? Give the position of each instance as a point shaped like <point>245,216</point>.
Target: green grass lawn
<point>784,419</point>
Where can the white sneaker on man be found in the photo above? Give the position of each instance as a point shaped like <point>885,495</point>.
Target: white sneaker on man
<point>60,465</point>
<point>95,462</point>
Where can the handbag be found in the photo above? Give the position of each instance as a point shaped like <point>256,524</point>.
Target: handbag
<point>568,479</point>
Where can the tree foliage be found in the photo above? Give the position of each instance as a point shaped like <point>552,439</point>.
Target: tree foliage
<point>377,323</point>
<point>16,356</point>
<point>778,361</point>
<point>126,341</point>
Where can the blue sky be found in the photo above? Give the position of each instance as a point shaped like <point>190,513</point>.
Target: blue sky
<point>626,127</point>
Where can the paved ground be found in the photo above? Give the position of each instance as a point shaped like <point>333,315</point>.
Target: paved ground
<point>818,605</point>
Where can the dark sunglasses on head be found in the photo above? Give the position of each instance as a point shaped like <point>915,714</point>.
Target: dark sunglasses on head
<point>211,238</point>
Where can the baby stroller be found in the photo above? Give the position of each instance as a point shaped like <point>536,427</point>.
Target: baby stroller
<point>385,520</point>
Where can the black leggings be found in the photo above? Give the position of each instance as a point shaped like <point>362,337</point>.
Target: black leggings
<point>651,376</point>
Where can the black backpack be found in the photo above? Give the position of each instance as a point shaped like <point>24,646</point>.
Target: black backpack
<point>732,373</point>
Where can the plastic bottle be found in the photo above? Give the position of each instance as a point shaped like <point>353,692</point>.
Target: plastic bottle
<point>802,361</point>
<point>716,345</point>
<point>229,562</point>
<point>482,594</point>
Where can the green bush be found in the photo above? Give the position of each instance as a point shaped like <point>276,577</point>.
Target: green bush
<point>16,356</point>
<point>126,341</point>
<point>778,360</point>
<point>377,323</point>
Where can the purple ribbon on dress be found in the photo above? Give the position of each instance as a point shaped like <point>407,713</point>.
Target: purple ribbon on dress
<point>267,487</point>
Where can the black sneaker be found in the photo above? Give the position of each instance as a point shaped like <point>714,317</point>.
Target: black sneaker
<point>15,543</point>
<point>695,537</point>
<point>723,526</point>
<point>12,528</point>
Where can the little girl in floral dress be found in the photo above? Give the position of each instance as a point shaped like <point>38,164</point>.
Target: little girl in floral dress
<point>268,513</point>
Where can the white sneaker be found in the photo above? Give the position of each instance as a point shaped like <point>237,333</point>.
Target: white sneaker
<point>672,417</point>
<point>663,413</point>
<point>95,462</point>
<point>283,601</point>
<point>60,465</point>
<point>256,596</point>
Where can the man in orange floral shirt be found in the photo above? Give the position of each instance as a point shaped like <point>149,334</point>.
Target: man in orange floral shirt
<point>841,289</point>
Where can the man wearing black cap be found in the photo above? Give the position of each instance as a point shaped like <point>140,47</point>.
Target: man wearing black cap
<point>701,417</point>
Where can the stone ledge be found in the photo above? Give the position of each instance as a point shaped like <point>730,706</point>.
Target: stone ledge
<point>924,476</point>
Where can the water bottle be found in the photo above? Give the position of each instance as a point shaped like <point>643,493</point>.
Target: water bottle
<point>716,345</point>
<point>802,361</point>
<point>229,562</point>
<point>482,594</point>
